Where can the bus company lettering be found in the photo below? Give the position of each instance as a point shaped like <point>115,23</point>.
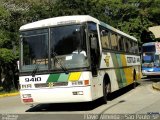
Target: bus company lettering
<point>131,60</point>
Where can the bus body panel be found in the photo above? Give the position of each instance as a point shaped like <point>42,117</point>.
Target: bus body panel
<point>120,68</point>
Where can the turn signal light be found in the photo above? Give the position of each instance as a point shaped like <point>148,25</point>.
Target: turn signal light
<point>86,82</point>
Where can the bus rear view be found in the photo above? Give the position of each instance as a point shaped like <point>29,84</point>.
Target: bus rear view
<point>150,59</point>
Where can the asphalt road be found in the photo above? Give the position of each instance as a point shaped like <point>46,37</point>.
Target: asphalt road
<point>141,100</point>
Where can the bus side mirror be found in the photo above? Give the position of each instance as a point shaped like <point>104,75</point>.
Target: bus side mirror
<point>94,43</point>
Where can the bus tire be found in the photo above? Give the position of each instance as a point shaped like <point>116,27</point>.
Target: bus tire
<point>105,92</point>
<point>134,79</point>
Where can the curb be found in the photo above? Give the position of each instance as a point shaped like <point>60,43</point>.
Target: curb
<point>156,86</point>
<point>9,94</point>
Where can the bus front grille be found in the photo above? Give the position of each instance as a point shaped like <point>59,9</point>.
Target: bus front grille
<point>50,84</point>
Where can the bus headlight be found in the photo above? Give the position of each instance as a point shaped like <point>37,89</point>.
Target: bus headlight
<point>151,70</point>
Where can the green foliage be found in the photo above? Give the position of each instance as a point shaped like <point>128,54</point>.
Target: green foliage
<point>6,55</point>
<point>3,12</point>
<point>4,38</point>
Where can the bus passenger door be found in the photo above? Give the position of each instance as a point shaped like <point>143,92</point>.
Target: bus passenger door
<point>94,48</point>
<point>94,56</point>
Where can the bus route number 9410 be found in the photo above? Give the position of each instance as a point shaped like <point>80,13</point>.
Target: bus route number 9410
<point>33,79</point>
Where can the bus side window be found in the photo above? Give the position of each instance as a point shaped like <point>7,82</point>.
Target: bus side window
<point>120,43</point>
<point>136,48</point>
<point>132,48</point>
<point>127,45</point>
<point>114,43</point>
<point>105,41</point>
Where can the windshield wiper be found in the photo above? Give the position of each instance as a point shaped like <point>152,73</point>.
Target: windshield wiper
<point>62,67</point>
<point>36,68</point>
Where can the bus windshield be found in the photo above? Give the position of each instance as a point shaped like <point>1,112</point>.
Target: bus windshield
<point>68,43</point>
<point>150,48</point>
<point>150,60</point>
<point>34,50</point>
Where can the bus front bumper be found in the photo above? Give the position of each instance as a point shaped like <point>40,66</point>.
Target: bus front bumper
<point>56,95</point>
<point>148,73</point>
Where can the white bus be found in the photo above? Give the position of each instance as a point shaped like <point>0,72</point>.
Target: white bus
<point>74,59</point>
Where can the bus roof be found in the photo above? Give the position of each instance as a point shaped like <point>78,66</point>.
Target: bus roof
<point>58,21</point>
<point>69,19</point>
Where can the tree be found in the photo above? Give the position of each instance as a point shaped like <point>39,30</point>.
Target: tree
<point>8,51</point>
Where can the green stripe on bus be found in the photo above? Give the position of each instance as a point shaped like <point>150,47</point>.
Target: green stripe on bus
<point>53,78</point>
<point>63,77</point>
<point>117,71</point>
<point>114,58</point>
<point>119,79</point>
<point>124,82</point>
<point>123,77</point>
<point>119,60</point>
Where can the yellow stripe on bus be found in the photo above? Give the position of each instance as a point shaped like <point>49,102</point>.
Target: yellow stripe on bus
<point>129,75</point>
<point>74,76</point>
<point>123,59</point>
<point>127,71</point>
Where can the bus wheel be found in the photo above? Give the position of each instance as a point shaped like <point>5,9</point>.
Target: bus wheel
<point>134,79</point>
<point>105,92</point>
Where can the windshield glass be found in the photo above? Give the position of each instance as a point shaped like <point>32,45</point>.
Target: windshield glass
<point>34,50</point>
<point>150,48</point>
<point>69,44</point>
<point>65,46</point>
<point>150,60</point>
<point>147,59</point>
